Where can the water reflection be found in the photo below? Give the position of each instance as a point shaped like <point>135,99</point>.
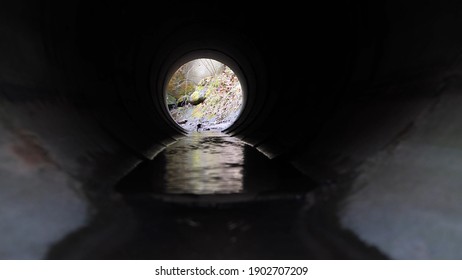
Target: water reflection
<point>204,163</point>
<point>274,214</point>
<point>213,163</point>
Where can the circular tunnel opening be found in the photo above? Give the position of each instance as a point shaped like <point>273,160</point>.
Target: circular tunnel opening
<point>203,94</point>
<point>181,46</point>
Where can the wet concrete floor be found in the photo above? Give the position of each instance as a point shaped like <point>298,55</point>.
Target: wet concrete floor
<point>211,196</point>
<point>213,164</point>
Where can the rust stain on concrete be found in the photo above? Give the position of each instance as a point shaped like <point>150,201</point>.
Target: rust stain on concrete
<point>29,150</point>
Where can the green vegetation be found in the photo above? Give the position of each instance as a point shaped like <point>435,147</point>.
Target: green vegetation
<point>214,102</point>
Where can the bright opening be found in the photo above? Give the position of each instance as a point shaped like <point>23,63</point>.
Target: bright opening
<point>204,95</point>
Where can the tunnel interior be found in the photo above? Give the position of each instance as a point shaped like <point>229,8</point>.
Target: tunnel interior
<point>351,110</point>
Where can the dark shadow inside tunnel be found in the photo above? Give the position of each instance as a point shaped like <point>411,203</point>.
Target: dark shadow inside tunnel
<point>211,196</point>
<point>357,100</point>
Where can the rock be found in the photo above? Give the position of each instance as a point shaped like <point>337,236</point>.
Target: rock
<point>198,96</point>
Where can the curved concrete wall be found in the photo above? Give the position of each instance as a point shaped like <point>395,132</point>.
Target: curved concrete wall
<point>362,95</point>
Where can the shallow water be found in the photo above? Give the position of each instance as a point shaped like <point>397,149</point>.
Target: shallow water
<point>205,164</point>
<point>209,163</point>
<point>211,196</point>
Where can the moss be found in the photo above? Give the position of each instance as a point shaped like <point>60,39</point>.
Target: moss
<point>197,97</point>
